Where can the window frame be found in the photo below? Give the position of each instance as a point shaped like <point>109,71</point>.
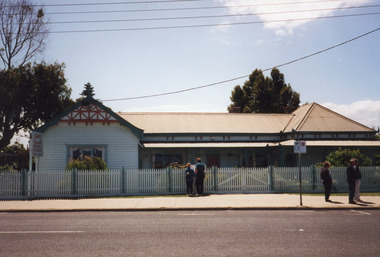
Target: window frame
<point>83,146</point>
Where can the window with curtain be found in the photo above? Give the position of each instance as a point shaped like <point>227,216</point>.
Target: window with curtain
<point>75,152</point>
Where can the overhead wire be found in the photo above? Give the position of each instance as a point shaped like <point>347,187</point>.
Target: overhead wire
<point>208,25</point>
<point>193,8</point>
<point>214,16</point>
<point>245,76</point>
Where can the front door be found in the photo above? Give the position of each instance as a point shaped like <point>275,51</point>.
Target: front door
<point>213,161</point>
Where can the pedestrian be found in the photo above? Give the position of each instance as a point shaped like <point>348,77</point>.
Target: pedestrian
<point>190,174</point>
<point>357,181</point>
<point>326,180</point>
<point>351,180</point>
<point>200,176</point>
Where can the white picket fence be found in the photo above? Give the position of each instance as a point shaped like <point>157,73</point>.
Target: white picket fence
<point>78,183</point>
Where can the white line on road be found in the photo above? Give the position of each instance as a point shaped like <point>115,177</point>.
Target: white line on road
<point>361,212</point>
<point>197,214</point>
<point>40,232</point>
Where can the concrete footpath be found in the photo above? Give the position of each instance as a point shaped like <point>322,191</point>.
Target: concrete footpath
<point>208,202</point>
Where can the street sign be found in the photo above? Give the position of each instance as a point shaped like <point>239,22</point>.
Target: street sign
<point>36,144</point>
<point>299,146</point>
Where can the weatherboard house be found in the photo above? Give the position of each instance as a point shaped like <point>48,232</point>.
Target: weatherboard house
<point>155,140</point>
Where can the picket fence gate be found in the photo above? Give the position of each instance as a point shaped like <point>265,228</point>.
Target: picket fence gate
<point>124,182</point>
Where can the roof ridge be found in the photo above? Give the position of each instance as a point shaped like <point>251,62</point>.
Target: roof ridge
<point>307,114</point>
<point>294,115</point>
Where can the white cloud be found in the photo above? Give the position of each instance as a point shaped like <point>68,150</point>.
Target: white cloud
<point>365,112</point>
<point>300,11</point>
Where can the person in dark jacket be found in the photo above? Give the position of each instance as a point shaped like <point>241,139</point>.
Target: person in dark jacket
<point>351,180</point>
<point>190,174</point>
<point>200,176</point>
<point>326,180</point>
<point>357,182</point>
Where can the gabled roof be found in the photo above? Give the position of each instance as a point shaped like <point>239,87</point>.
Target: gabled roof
<point>102,114</point>
<point>316,118</point>
<point>308,118</point>
<point>186,123</point>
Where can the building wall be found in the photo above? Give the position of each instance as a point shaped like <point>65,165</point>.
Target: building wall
<point>121,144</point>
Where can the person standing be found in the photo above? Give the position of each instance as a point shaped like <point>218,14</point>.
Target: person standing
<point>351,180</point>
<point>190,174</point>
<point>357,181</point>
<point>326,180</point>
<point>200,176</point>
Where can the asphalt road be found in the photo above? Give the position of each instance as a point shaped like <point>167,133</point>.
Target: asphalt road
<point>192,233</point>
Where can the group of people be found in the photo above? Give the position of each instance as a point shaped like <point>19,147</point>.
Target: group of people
<point>354,177</point>
<point>198,175</point>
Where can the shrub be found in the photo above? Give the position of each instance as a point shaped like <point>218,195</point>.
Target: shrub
<point>342,157</point>
<point>87,163</point>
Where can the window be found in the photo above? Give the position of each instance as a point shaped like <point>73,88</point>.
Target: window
<point>75,152</point>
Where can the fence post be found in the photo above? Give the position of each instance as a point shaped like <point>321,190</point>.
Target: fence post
<point>23,182</point>
<point>270,177</point>
<point>215,180</point>
<point>123,181</point>
<point>313,177</point>
<point>74,181</point>
<point>170,179</point>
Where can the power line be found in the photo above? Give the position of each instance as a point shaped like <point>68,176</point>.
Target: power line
<point>209,25</point>
<point>245,76</point>
<point>212,16</point>
<point>191,8</point>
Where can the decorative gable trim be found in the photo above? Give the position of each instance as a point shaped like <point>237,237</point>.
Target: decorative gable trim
<point>90,110</point>
<point>88,114</point>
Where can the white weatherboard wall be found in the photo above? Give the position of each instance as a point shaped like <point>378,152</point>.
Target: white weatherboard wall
<point>121,144</point>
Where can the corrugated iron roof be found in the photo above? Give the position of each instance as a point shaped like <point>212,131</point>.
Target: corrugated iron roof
<point>207,122</point>
<point>308,118</point>
<point>316,118</point>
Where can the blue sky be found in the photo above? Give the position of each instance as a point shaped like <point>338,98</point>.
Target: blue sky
<point>134,62</point>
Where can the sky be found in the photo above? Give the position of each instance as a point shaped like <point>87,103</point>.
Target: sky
<point>131,50</point>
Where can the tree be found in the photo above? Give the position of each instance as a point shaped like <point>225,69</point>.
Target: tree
<point>23,31</point>
<point>88,90</point>
<point>342,157</point>
<point>29,96</point>
<point>262,94</point>
<point>18,157</point>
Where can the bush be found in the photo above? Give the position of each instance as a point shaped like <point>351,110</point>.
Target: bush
<point>342,157</point>
<point>87,163</point>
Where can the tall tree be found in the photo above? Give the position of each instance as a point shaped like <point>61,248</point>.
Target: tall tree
<point>262,94</point>
<point>23,31</point>
<point>88,90</point>
<point>31,95</point>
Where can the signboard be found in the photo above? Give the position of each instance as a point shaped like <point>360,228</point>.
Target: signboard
<point>299,146</point>
<point>36,144</point>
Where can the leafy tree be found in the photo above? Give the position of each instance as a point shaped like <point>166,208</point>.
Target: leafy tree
<point>262,94</point>
<point>29,96</point>
<point>23,31</point>
<point>20,159</point>
<point>342,157</point>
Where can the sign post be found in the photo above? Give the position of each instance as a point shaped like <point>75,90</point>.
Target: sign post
<point>300,147</point>
<point>35,150</point>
